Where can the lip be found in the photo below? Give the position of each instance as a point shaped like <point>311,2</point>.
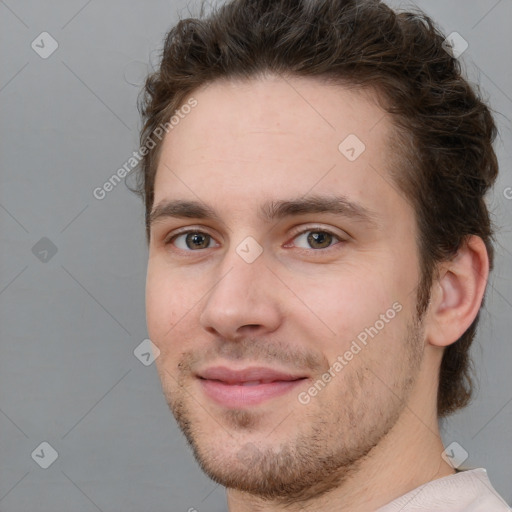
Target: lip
<point>252,373</point>
<point>230,388</point>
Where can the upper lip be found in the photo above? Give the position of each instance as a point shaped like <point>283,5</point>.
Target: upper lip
<point>254,373</point>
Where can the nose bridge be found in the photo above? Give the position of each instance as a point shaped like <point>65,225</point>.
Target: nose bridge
<point>241,295</point>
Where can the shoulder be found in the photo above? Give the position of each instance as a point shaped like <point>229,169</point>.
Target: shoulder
<point>465,491</point>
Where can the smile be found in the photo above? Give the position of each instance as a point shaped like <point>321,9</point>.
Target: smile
<point>247,393</point>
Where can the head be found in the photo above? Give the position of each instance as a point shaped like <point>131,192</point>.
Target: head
<point>282,109</point>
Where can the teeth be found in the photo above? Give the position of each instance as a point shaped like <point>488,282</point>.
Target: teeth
<point>256,382</point>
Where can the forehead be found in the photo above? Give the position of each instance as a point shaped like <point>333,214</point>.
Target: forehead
<point>246,141</point>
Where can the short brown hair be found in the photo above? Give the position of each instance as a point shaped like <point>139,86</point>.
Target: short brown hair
<point>444,129</point>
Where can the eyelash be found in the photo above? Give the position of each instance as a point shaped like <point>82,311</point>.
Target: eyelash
<point>315,229</point>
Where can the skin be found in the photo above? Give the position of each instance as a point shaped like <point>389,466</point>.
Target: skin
<point>371,434</point>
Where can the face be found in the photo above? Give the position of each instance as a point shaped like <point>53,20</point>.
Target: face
<point>281,285</point>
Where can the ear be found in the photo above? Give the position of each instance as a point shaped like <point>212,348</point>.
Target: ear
<point>457,294</point>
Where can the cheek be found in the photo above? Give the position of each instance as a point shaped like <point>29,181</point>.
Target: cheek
<point>163,306</point>
<point>173,302</point>
<point>344,305</point>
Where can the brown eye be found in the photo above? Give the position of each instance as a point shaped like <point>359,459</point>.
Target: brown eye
<point>316,239</point>
<point>197,240</point>
<point>191,240</point>
<point>319,239</point>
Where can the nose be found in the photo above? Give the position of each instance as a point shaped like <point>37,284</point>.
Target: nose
<point>244,301</point>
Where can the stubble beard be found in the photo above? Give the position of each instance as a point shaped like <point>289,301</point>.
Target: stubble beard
<point>329,447</point>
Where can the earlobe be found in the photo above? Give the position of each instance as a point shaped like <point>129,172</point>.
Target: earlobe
<point>458,292</point>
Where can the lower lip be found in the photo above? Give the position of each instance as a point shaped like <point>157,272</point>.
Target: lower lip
<point>233,395</point>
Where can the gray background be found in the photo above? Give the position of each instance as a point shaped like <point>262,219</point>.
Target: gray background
<point>69,325</point>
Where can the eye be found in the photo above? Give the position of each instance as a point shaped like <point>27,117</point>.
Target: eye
<point>314,238</point>
<point>317,239</point>
<point>191,240</point>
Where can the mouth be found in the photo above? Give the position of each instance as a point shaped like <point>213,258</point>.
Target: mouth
<point>246,387</point>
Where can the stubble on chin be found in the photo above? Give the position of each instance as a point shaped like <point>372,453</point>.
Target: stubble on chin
<point>318,457</point>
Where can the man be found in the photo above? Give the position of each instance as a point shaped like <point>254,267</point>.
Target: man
<point>319,246</point>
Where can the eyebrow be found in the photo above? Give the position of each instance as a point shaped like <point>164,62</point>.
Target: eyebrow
<point>271,210</point>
